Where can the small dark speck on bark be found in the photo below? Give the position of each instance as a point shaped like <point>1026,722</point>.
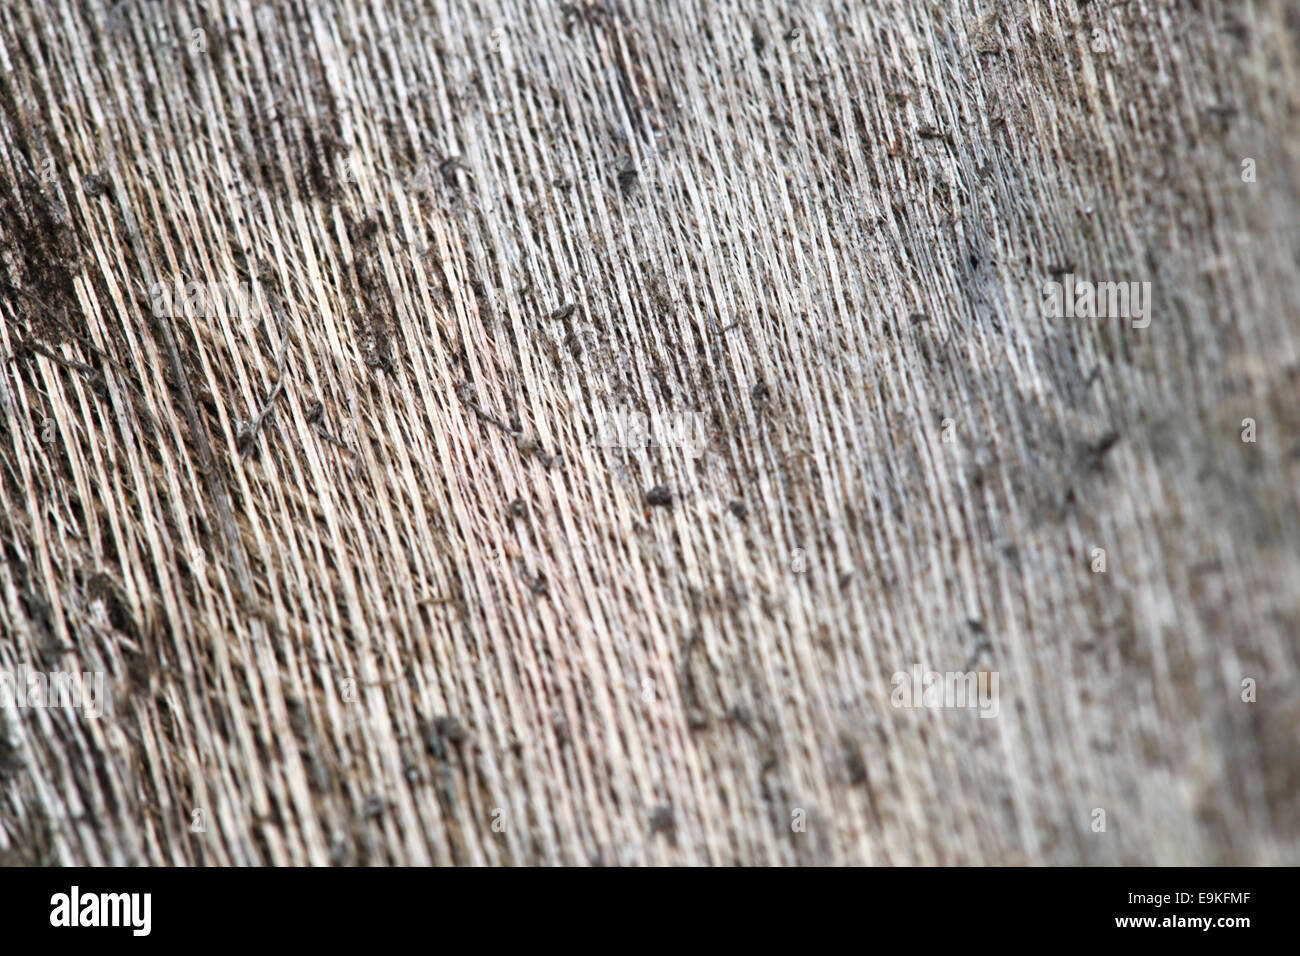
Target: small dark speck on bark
<point>659,495</point>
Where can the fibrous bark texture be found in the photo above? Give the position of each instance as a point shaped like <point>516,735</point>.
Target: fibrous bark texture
<point>503,432</point>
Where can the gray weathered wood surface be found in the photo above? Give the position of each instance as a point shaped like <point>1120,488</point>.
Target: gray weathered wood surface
<point>823,228</point>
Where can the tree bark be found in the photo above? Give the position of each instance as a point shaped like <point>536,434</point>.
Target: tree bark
<point>582,427</point>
